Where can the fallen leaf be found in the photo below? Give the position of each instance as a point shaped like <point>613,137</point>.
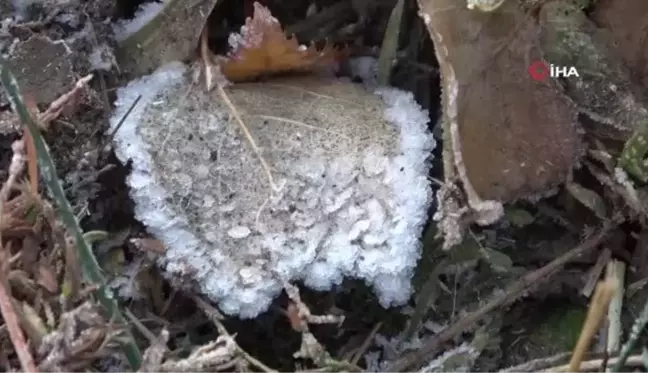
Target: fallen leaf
<point>170,36</point>
<point>589,199</point>
<point>511,136</point>
<point>262,49</point>
<point>498,261</point>
<point>46,277</point>
<point>519,217</point>
<point>627,26</point>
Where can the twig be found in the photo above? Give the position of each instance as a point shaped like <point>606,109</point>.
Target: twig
<point>595,272</point>
<point>15,333</point>
<point>16,167</point>
<point>248,136</point>
<point>366,344</point>
<point>434,344</point>
<point>632,361</point>
<point>597,310</point>
<point>215,316</point>
<point>213,77</point>
<point>121,121</point>
<point>615,329</point>
<point>540,364</point>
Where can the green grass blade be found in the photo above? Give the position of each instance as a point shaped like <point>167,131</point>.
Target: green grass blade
<point>91,268</point>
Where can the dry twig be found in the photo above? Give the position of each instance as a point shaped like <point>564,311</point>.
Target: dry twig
<point>434,344</point>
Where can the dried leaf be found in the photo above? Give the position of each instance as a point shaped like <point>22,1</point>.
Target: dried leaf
<point>47,277</point>
<point>170,36</point>
<point>262,48</point>
<point>32,323</point>
<point>625,22</point>
<point>67,103</point>
<point>519,217</point>
<point>498,261</point>
<point>588,198</point>
<point>510,136</point>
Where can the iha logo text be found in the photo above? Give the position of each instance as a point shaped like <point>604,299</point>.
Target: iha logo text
<point>540,70</point>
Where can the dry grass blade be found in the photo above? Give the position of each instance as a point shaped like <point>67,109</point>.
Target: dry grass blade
<point>11,320</point>
<point>48,169</point>
<point>390,43</point>
<point>67,104</point>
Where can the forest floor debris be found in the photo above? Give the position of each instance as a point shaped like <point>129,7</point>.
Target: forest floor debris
<point>485,304</point>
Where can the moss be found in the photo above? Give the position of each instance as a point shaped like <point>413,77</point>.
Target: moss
<point>560,330</point>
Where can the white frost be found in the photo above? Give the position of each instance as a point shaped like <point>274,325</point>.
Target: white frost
<point>146,12</point>
<point>364,220</point>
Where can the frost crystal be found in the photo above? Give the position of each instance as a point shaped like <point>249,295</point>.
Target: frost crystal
<point>144,14</point>
<point>353,169</point>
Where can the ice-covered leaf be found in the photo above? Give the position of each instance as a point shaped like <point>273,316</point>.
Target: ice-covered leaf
<point>262,48</point>
<point>625,23</point>
<point>350,168</point>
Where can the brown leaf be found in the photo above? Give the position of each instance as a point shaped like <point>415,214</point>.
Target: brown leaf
<point>627,25</point>
<point>296,321</point>
<point>262,48</point>
<point>514,136</point>
<point>47,277</point>
<point>149,244</point>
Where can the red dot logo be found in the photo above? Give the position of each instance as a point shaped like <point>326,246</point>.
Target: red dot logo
<point>539,70</point>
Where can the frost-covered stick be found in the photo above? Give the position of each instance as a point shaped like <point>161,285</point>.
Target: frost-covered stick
<point>615,329</point>
<point>433,344</point>
<point>310,347</point>
<point>215,316</point>
<point>91,268</point>
<point>634,361</point>
<point>15,333</point>
<point>540,364</point>
<point>635,333</point>
<point>17,166</point>
<point>157,350</point>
